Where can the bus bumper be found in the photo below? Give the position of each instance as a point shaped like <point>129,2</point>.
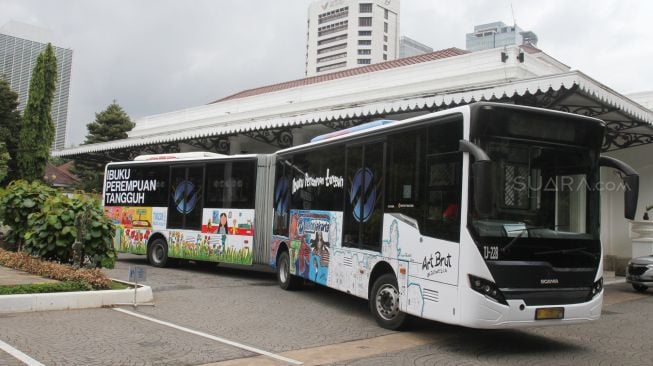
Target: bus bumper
<point>488,314</point>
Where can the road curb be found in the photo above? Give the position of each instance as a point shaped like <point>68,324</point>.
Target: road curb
<point>73,300</point>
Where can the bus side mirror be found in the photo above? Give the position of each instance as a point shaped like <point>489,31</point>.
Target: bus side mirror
<point>631,195</point>
<point>482,172</point>
<point>483,187</point>
<point>631,183</point>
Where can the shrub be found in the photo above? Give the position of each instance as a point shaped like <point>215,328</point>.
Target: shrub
<point>17,201</point>
<point>53,230</point>
<point>61,272</point>
<point>40,288</point>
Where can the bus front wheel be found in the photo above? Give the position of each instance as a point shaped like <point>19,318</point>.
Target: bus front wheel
<point>286,280</point>
<point>384,302</point>
<point>157,253</point>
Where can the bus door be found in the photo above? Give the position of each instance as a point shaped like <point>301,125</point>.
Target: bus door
<point>186,197</point>
<point>363,212</point>
<point>437,258</point>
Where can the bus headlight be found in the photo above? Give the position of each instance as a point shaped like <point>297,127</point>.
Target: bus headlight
<point>487,288</point>
<point>597,288</point>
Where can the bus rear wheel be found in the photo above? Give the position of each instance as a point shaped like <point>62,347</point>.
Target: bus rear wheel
<point>286,280</point>
<point>384,303</point>
<point>157,253</point>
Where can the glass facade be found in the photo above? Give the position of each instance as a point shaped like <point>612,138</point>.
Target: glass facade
<point>17,61</point>
<point>498,34</point>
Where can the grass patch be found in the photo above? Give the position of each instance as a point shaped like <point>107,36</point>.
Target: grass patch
<point>44,288</point>
<point>119,286</point>
<point>41,288</point>
<point>203,252</point>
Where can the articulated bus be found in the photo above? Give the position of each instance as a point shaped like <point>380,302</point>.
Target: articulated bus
<point>485,215</point>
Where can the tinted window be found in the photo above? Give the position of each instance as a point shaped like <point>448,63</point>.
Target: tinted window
<point>424,178</point>
<point>316,179</point>
<point>135,185</point>
<point>363,216</point>
<point>230,184</point>
<point>281,199</point>
<point>186,190</point>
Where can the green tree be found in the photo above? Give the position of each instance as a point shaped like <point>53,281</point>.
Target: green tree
<point>110,124</point>
<point>37,132</point>
<point>4,161</point>
<point>9,127</point>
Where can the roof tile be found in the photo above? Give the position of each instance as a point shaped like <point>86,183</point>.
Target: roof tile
<point>437,55</point>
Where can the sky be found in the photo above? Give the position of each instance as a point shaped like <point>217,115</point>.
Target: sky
<point>157,56</point>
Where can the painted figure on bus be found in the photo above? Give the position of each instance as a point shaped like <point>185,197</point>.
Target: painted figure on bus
<point>319,261</point>
<point>223,230</point>
<point>300,250</point>
<point>223,227</point>
<point>321,248</point>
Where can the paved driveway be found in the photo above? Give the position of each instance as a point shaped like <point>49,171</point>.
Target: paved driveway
<point>211,315</point>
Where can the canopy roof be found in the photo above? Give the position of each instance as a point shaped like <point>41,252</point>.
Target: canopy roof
<point>443,80</point>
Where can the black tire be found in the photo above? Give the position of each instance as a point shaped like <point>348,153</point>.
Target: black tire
<point>639,288</point>
<point>286,280</point>
<point>157,253</point>
<point>384,303</point>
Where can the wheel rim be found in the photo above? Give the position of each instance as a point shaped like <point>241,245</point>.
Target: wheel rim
<point>157,253</point>
<point>283,270</point>
<point>387,302</point>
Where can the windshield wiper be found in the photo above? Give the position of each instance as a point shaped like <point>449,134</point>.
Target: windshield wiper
<point>567,251</point>
<point>513,241</point>
<point>526,229</point>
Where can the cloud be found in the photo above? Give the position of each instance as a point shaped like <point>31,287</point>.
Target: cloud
<point>157,56</point>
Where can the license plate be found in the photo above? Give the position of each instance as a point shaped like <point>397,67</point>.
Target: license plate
<point>549,313</point>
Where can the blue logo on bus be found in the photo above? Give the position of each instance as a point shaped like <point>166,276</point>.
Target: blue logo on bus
<point>186,197</point>
<point>282,195</point>
<point>363,194</point>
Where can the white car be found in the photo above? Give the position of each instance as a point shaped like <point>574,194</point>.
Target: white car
<point>640,273</point>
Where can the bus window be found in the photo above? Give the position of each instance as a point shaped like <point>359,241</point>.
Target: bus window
<point>186,190</point>
<point>443,185</point>
<point>282,189</point>
<point>363,216</point>
<point>404,192</point>
<point>155,175</point>
<point>322,175</point>
<point>442,178</point>
<point>230,184</point>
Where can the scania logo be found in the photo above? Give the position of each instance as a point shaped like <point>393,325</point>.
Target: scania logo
<point>549,281</point>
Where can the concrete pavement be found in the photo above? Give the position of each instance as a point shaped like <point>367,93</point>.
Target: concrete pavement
<point>315,325</point>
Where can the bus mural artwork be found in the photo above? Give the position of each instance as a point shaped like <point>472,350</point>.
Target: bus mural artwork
<point>422,217</point>
<point>198,213</point>
<point>310,246</point>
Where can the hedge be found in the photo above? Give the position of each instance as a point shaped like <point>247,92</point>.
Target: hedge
<point>21,261</point>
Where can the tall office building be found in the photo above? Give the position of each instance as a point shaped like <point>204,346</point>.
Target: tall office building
<point>20,45</point>
<point>344,34</point>
<point>498,34</point>
<point>409,47</point>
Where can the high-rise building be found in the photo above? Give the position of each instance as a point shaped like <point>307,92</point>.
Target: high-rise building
<point>20,45</point>
<point>498,34</point>
<point>409,47</point>
<point>344,34</point>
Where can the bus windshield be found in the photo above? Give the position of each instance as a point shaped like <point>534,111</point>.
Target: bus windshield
<point>545,187</point>
<point>540,191</point>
